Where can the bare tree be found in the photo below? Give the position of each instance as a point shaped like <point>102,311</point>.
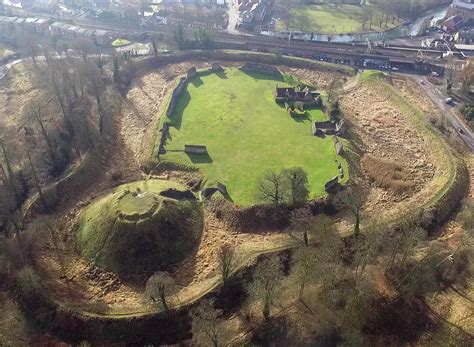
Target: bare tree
<point>205,326</point>
<point>56,84</point>
<point>28,46</point>
<point>36,111</point>
<point>91,76</point>
<point>270,188</point>
<point>301,220</point>
<point>335,87</point>
<point>9,175</point>
<point>85,47</point>
<point>159,287</point>
<point>353,199</point>
<point>402,243</point>
<point>226,262</point>
<point>304,265</point>
<point>56,244</point>
<point>8,210</point>
<point>36,180</point>
<point>467,216</point>
<point>266,279</point>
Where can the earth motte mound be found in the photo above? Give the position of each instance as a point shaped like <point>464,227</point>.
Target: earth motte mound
<point>141,227</point>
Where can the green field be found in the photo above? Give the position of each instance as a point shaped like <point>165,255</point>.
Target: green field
<point>246,133</point>
<point>330,19</point>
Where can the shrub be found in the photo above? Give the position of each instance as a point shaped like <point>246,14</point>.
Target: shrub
<point>387,174</point>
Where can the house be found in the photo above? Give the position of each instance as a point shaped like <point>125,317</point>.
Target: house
<point>162,16</point>
<point>59,29</point>
<point>462,8</point>
<point>465,36</point>
<point>290,94</point>
<point>322,129</point>
<point>327,128</point>
<point>252,12</point>
<point>124,10</point>
<point>45,5</point>
<point>41,25</point>
<point>453,23</point>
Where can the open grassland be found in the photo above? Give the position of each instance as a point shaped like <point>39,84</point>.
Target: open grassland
<point>329,19</point>
<point>246,133</point>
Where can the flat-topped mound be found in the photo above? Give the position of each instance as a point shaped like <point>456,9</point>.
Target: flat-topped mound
<point>140,227</point>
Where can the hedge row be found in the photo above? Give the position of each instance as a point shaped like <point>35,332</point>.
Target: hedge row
<point>263,217</point>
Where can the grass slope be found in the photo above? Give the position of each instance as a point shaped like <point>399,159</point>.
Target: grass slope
<point>127,234</point>
<point>329,19</point>
<point>246,133</point>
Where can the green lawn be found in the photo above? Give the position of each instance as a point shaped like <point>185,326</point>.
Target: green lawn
<point>246,133</point>
<point>330,19</point>
<point>120,43</point>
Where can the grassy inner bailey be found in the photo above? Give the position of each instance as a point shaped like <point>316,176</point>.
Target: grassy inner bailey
<point>235,116</point>
<point>133,229</point>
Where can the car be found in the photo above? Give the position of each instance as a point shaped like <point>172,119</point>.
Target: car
<point>448,101</point>
<point>460,131</point>
<point>394,68</point>
<point>422,82</point>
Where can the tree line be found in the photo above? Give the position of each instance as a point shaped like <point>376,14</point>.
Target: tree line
<point>68,117</point>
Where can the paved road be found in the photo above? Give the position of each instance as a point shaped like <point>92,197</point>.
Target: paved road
<point>452,113</point>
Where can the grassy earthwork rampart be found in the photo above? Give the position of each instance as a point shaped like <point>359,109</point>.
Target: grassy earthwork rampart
<point>440,196</point>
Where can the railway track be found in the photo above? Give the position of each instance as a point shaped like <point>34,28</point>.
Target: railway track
<point>267,43</point>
